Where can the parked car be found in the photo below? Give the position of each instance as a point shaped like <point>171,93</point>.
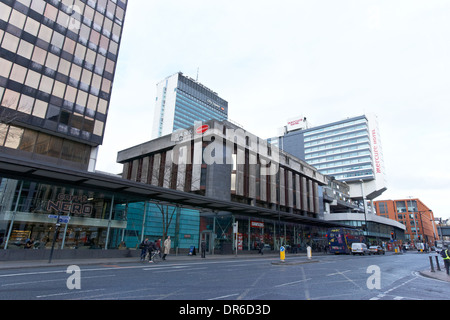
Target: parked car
<point>359,248</point>
<point>376,250</point>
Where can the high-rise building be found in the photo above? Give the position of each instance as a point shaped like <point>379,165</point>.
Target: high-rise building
<point>180,101</point>
<point>57,65</point>
<point>348,150</point>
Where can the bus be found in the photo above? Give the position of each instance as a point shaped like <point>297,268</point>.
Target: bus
<point>340,239</point>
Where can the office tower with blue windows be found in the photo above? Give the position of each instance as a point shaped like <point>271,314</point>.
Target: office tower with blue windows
<point>181,101</point>
<point>348,150</point>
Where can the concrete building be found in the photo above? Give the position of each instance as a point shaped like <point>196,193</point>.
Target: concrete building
<point>180,101</point>
<point>222,161</point>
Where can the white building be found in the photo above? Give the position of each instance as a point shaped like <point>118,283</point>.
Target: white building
<point>349,150</point>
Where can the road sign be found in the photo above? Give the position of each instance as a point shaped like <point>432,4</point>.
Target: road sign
<point>62,219</point>
<point>282,253</point>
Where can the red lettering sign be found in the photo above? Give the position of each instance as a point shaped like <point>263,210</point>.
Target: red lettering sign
<point>202,129</point>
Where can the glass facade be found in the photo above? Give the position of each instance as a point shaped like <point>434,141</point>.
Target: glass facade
<point>57,64</point>
<point>29,210</point>
<point>342,150</point>
<point>181,101</point>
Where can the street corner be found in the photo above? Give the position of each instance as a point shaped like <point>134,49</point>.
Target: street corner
<point>437,275</point>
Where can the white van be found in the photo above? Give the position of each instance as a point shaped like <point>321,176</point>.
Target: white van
<point>360,248</point>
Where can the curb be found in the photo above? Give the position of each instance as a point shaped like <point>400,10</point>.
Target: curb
<point>292,263</point>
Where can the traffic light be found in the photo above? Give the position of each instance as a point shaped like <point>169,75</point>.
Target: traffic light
<point>393,237</point>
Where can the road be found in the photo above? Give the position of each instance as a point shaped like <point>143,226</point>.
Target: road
<point>328,277</point>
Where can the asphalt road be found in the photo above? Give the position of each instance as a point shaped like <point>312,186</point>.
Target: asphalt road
<point>329,277</point>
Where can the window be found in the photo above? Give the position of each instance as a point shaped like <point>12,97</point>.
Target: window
<point>71,93</point>
<point>10,99</point>
<point>38,6</point>
<point>32,26</point>
<point>4,11</point>
<point>5,67</point>
<point>46,84</point>
<point>10,42</point>
<point>50,12</point>
<point>25,49</point>
<point>39,55</point>
<point>52,61</point>
<point>382,206</point>
<point>45,33</point>
<point>40,109</point>
<point>26,104</point>
<point>17,19</point>
<point>33,79</point>
<point>13,138</point>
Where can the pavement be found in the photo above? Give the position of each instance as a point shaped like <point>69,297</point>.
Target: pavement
<point>4,265</point>
<point>300,259</point>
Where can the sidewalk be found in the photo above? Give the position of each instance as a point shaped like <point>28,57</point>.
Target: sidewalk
<point>4,265</point>
<point>437,275</point>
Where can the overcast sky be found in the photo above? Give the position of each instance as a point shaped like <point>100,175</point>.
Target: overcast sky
<point>326,60</point>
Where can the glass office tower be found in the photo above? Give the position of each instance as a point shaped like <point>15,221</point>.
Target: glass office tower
<point>180,101</point>
<point>57,64</point>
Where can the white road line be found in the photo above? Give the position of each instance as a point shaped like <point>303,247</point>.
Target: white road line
<point>291,283</point>
<point>223,297</point>
<point>67,293</point>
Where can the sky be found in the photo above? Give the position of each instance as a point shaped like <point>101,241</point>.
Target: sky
<point>326,60</point>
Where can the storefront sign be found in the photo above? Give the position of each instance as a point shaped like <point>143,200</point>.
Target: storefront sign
<point>257,224</point>
<point>240,241</point>
<point>74,205</point>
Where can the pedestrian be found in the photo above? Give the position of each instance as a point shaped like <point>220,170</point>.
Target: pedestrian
<point>29,244</point>
<point>203,245</point>
<point>445,255</point>
<point>261,248</point>
<point>158,246</point>
<point>167,245</point>
<point>144,248</point>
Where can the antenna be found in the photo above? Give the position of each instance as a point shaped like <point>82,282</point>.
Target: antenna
<point>197,74</point>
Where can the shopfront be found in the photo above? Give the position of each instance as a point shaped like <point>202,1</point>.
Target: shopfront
<point>256,231</point>
<point>79,218</point>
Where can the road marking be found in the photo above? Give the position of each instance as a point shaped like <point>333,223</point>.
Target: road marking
<point>223,297</point>
<point>291,283</point>
<point>52,280</point>
<point>67,293</point>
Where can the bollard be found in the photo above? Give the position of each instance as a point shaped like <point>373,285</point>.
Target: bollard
<point>308,252</point>
<point>437,263</point>
<point>282,253</point>
<point>431,263</point>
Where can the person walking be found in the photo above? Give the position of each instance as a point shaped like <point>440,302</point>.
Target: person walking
<point>445,255</point>
<point>144,248</point>
<point>167,245</point>
<point>158,246</point>
<point>203,247</point>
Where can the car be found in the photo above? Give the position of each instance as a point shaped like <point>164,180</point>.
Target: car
<point>376,250</point>
<point>359,248</point>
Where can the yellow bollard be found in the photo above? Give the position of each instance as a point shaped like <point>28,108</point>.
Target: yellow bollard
<point>282,253</point>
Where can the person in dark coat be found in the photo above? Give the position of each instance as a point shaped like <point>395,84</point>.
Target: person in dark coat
<point>144,248</point>
<point>203,247</point>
